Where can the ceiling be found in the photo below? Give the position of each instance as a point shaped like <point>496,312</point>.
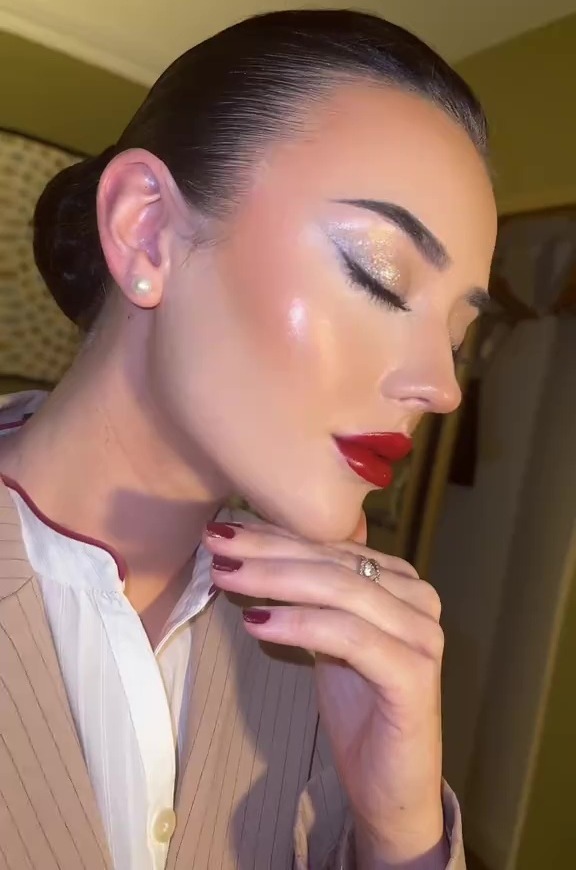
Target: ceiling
<point>139,38</point>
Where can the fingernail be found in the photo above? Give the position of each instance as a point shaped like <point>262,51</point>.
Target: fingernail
<point>223,563</point>
<point>236,525</point>
<point>256,615</point>
<point>220,530</point>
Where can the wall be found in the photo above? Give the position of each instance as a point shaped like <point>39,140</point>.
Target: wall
<point>500,565</point>
<point>532,607</point>
<point>475,528</point>
<point>527,88</point>
<point>51,96</point>
<point>548,835</point>
<point>526,85</point>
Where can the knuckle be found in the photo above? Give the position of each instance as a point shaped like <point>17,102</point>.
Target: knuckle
<point>354,636</point>
<point>299,619</point>
<point>300,625</point>
<point>265,567</point>
<point>401,566</point>
<point>351,592</point>
<point>434,643</point>
<point>339,581</point>
<point>430,599</point>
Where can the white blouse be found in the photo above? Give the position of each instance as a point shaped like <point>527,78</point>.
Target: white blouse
<point>129,701</point>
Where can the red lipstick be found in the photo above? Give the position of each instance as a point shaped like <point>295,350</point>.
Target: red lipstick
<point>371,455</point>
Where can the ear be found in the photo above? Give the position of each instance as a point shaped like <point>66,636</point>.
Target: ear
<point>139,208</point>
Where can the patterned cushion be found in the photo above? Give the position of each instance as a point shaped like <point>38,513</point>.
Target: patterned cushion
<point>38,342</point>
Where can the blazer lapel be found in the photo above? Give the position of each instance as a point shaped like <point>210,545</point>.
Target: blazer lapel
<point>250,736</point>
<point>48,813</point>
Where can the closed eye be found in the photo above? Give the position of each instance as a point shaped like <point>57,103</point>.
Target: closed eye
<point>361,278</point>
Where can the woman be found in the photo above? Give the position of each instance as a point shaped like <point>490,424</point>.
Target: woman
<point>274,266</point>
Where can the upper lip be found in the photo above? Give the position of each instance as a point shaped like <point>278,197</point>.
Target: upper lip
<point>392,446</point>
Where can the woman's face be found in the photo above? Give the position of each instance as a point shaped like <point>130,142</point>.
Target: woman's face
<point>330,304</point>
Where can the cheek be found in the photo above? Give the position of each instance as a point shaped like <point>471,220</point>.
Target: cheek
<point>280,307</point>
<point>266,323</point>
<point>320,347</point>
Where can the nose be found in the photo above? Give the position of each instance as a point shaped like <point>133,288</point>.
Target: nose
<point>424,383</point>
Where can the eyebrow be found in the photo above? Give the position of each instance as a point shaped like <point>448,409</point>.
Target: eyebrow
<point>429,246</point>
<point>424,239</point>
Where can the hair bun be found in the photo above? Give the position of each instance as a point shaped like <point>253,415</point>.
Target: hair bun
<point>67,246</point>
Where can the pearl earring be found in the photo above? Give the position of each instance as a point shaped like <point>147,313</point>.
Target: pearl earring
<point>142,286</point>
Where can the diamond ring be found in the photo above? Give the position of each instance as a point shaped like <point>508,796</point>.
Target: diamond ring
<point>368,568</point>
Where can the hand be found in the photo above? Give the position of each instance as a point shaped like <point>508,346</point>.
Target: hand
<point>378,660</point>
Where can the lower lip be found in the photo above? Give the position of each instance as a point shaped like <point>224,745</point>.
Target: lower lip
<point>369,465</point>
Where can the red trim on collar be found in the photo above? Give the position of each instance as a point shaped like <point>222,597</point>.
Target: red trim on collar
<point>16,424</point>
<point>62,530</point>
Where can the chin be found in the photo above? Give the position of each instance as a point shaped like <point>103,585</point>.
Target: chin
<point>329,517</point>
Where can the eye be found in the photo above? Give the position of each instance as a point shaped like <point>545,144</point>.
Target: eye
<point>361,278</point>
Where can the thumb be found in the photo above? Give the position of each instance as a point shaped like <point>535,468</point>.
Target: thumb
<point>361,531</point>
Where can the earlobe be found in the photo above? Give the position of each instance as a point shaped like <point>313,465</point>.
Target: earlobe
<point>142,286</point>
<point>143,292</point>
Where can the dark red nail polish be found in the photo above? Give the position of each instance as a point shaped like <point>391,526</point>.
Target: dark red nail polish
<point>220,530</point>
<point>256,615</point>
<point>223,563</point>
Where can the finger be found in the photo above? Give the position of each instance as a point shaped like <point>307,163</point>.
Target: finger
<point>325,585</point>
<point>253,542</point>
<point>256,525</point>
<point>249,546</point>
<point>384,660</point>
<point>391,563</point>
<point>354,545</point>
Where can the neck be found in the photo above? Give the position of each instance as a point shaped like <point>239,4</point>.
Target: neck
<point>98,460</point>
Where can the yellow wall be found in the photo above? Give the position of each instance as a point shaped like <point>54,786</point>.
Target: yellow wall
<point>54,97</point>
<point>527,86</point>
<point>548,836</point>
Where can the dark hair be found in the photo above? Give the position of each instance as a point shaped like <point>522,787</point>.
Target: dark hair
<point>216,106</point>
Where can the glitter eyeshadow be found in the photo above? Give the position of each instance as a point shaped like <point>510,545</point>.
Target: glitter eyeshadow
<point>372,249</point>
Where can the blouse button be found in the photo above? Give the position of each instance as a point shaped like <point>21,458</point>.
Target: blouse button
<point>164,825</point>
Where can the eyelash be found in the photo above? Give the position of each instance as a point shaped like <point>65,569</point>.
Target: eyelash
<point>383,295</point>
<point>361,278</point>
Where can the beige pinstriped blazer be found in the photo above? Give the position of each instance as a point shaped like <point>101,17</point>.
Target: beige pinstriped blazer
<point>255,790</point>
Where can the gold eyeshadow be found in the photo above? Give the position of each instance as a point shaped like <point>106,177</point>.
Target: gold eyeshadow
<point>372,249</point>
